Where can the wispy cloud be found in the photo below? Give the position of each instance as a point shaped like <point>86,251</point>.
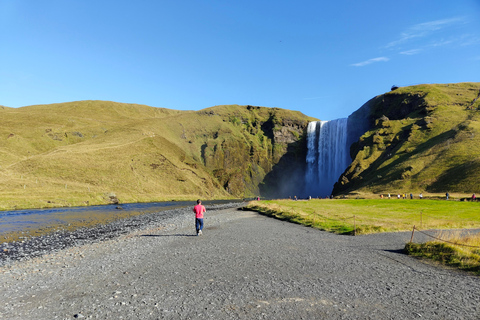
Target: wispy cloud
<point>411,52</point>
<point>469,40</point>
<point>440,43</point>
<point>424,37</point>
<point>370,61</point>
<point>423,30</point>
<point>314,98</point>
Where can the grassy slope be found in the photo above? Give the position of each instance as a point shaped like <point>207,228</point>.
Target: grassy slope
<point>78,152</point>
<point>82,152</point>
<point>429,143</point>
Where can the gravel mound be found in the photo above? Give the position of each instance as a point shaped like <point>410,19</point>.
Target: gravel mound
<point>244,266</point>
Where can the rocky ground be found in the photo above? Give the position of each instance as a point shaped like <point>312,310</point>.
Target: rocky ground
<point>244,266</point>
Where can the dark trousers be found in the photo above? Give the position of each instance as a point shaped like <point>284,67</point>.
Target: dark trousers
<point>198,224</point>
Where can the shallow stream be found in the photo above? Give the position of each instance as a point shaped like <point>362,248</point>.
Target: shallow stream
<point>19,224</point>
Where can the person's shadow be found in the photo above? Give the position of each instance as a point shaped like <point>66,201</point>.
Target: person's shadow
<point>168,235</point>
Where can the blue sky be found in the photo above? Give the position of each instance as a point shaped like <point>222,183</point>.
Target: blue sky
<point>324,59</point>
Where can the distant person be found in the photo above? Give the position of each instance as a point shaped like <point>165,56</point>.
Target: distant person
<point>474,197</point>
<point>411,196</point>
<point>398,196</point>
<point>295,198</point>
<point>421,195</point>
<point>447,195</point>
<point>199,210</point>
<point>389,196</point>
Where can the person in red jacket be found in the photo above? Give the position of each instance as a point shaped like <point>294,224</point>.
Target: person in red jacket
<point>199,210</point>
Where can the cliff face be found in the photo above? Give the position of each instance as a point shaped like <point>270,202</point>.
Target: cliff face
<point>263,148</point>
<point>419,138</point>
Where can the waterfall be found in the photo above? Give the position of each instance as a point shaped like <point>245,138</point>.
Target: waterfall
<point>327,155</point>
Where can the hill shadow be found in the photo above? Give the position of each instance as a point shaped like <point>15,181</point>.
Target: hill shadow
<point>396,174</point>
<point>287,177</point>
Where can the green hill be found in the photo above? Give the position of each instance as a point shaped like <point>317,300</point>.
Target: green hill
<point>95,152</point>
<point>423,138</point>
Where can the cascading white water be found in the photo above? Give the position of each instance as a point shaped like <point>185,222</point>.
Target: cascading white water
<point>327,155</point>
<point>312,153</point>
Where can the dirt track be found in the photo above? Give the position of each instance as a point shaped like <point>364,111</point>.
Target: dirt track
<point>245,266</point>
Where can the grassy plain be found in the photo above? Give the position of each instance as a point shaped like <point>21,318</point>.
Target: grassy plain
<point>373,215</point>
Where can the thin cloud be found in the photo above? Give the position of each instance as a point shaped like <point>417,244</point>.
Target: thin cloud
<point>441,43</point>
<point>464,41</point>
<point>423,30</point>
<point>411,52</point>
<point>469,40</point>
<point>370,61</point>
<point>313,98</point>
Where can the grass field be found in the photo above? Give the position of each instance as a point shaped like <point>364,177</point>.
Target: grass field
<point>373,215</point>
<point>363,216</point>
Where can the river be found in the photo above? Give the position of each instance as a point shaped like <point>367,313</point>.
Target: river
<point>19,224</point>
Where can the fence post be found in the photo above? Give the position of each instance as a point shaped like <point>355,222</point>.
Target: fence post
<point>413,231</point>
<point>354,227</point>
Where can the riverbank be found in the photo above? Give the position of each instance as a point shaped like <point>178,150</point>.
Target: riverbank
<point>60,237</point>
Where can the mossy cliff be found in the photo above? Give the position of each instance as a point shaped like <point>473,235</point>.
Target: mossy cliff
<point>93,152</point>
<point>423,138</point>
<point>249,145</point>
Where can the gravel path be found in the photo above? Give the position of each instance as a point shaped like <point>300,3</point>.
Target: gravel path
<point>245,266</point>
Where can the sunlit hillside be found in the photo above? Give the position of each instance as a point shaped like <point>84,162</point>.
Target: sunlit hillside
<point>93,152</point>
<point>424,138</point>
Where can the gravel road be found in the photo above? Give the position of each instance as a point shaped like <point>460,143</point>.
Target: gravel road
<point>244,266</point>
